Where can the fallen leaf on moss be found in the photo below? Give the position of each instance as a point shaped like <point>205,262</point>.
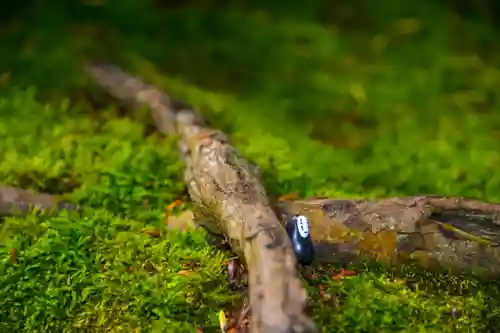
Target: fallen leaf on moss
<point>190,265</point>
<point>185,272</point>
<point>181,222</point>
<point>153,232</point>
<point>289,196</point>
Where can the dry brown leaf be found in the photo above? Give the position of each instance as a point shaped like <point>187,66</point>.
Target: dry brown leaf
<point>184,272</point>
<point>182,222</point>
<point>289,196</point>
<point>153,232</point>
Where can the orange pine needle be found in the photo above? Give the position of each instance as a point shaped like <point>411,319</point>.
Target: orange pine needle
<point>174,204</point>
<point>170,208</point>
<point>344,273</point>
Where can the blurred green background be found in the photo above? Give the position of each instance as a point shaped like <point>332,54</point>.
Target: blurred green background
<point>363,97</point>
<point>345,98</point>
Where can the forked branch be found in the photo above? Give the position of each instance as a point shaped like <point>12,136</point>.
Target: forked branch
<point>229,200</point>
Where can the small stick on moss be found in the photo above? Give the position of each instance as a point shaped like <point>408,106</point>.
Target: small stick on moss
<point>16,201</point>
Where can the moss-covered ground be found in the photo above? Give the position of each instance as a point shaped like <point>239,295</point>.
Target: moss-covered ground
<point>343,101</point>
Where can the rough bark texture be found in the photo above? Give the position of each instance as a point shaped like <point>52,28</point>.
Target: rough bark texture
<point>458,234</point>
<point>229,200</point>
<point>15,201</point>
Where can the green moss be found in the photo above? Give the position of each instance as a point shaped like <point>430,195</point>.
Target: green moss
<point>97,270</point>
<point>338,101</point>
<point>100,273</point>
<point>403,300</point>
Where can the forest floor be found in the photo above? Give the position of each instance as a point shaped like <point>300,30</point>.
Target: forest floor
<point>400,106</point>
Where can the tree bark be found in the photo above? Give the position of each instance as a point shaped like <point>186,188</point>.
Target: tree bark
<point>16,201</point>
<point>456,234</point>
<point>459,235</point>
<point>230,200</point>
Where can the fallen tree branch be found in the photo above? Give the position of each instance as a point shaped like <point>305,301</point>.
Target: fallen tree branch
<point>229,200</point>
<point>16,201</point>
<point>456,234</point>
